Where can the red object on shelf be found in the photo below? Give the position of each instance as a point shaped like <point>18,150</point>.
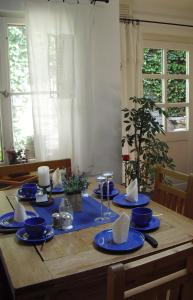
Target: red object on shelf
<point>126,157</point>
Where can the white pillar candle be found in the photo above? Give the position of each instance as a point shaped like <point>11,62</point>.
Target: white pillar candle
<point>43,176</point>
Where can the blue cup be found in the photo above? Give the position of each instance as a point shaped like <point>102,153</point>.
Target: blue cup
<point>35,227</point>
<point>111,187</point>
<point>141,216</point>
<point>28,190</point>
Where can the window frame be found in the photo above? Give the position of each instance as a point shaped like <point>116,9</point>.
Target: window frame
<point>176,135</point>
<point>6,129</point>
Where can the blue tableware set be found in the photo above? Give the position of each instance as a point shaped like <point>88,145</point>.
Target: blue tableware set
<point>35,230</point>
<point>142,221</point>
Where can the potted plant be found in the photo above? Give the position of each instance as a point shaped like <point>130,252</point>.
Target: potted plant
<point>16,156</point>
<point>73,187</point>
<point>141,136</point>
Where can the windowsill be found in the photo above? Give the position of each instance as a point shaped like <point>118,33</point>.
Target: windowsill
<point>175,136</point>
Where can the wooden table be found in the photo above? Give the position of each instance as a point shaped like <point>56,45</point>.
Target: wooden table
<point>69,266</point>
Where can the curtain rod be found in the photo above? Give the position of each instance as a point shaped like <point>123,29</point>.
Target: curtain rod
<point>91,1</point>
<point>127,20</point>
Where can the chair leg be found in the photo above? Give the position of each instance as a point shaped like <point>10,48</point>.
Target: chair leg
<point>5,291</point>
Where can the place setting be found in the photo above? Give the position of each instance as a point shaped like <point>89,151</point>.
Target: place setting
<point>40,194</point>
<point>128,233</point>
<point>35,231</point>
<point>12,221</point>
<point>131,198</point>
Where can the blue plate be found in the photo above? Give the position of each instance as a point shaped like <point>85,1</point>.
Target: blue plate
<point>121,201</point>
<point>104,240</point>
<point>22,235</point>
<point>112,194</point>
<point>56,190</point>
<point>27,198</point>
<point>6,220</point>
<point>153,224</point>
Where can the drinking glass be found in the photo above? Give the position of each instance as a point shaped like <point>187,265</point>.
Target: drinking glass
<point>108,177</point>
<point>101,181</point>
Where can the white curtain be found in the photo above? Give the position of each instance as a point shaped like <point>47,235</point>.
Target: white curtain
<point>131,68</point>
<point>131,62</point>
<point>74,63</point>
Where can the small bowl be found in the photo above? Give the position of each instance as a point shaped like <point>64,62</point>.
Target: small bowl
<point>141,216</point>
<point>35,227</point>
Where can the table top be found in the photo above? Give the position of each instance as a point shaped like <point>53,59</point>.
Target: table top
<point>73,254</point>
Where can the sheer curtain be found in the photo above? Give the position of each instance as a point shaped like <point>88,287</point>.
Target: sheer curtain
<point>131,61</point>
<point>75,82</point>
<point>131,67</point>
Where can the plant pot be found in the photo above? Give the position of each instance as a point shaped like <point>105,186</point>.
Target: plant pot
<point>12,156</point>
<point>76,201</point>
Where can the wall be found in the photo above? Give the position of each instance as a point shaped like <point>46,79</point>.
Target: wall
<point>11,5</point>
<point>175,11</point>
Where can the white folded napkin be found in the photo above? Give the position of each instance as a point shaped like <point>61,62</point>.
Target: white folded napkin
<point>57,178</point>
<point>120,229</point>
<point>132,191</point>
<point>19,213</point>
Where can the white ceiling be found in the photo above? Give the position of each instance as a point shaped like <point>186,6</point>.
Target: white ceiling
<point>162,9</point>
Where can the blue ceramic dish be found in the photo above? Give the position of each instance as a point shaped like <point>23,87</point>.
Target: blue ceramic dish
<point>104,240</point>
<point>141,216</point>
<point>22,196</point>
<point>23,236</point>
<point>112,194</point>
<point>7,221</point>
<point>28,190</point>
<point>121,201</point>
<point>56,190</point>
<point>153,225</point>
<point>35,227</point>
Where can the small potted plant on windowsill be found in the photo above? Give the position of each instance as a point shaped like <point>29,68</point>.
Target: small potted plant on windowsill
<point>16,156</point>
<point>73,187</point>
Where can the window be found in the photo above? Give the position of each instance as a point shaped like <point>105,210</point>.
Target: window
<point>16,108</point>
<point>166,80</point>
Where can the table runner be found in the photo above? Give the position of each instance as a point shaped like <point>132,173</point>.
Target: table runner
<point>82,219</point>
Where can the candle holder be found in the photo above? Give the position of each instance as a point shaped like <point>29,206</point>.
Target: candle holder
<point>101,181</point>
<point>108,177</point>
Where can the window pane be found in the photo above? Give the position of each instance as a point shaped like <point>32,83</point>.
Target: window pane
<point>176,61</point>
<point>158,117</point>
<point>152,88</point>
<point>177,120</point>
<point>18,59</point>
<point>176,90</point>
<point>22,123</point>
<point>152,61</point>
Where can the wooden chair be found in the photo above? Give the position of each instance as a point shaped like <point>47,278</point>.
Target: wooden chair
<point>170,195</point>
<point>20,173</point>
<point>163,276</point>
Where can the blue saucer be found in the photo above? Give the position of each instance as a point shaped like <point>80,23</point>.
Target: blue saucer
<point>153,224</point>
<point>22,235</point>
<point>56,190</point>
<point>121,201</point>
<point>112,194</point>
<point>27,198</point>
<point>104,240</point>
<point>6,220</point>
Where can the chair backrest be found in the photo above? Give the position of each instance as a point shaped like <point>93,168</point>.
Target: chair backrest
<point>166,275</point>
<point>168,192</point>
<point>9,173</point>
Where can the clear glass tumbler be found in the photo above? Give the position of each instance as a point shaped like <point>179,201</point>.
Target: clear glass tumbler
<point>108,177</point>
<point>101,181</point>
